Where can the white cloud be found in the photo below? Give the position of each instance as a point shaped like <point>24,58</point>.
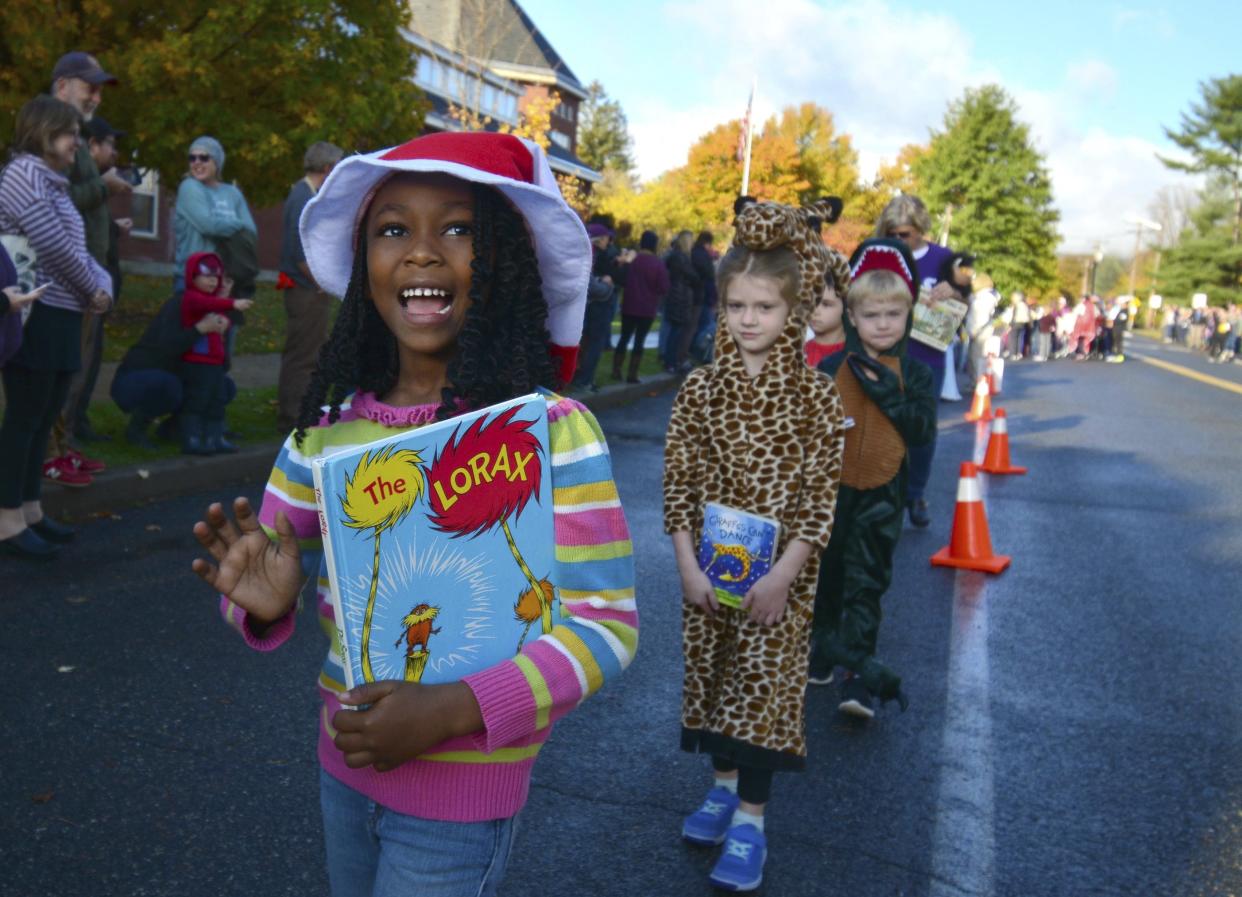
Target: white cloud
<point>887,76</point>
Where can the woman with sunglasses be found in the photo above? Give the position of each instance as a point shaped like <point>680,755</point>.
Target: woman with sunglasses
<point>905,218</point>
<point>208,210</point>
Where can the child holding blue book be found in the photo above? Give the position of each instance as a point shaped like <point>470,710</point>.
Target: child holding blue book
<point>464,274</point>
<point>758,432</point>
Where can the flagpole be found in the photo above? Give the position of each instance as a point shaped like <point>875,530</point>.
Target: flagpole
<point>749,134</point>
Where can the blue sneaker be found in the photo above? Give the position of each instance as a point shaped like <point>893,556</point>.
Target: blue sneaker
<point>740,867</point>
<point>707,825</point>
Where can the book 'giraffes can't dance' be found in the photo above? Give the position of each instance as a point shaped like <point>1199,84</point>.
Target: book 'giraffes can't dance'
<point>440,544</point>
<point>735,550</point>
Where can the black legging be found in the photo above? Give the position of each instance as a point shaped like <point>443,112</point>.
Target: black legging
<point>33,400</point>
<point>754,784</point>
<point>633,324</point>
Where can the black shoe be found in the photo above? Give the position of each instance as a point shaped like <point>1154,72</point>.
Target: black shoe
<point>50,530</point>
<point>855,699</point>
<point>29,546</point>
<point>918,512</point>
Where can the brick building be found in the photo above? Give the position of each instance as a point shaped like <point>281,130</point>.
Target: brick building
<point>484,56</point>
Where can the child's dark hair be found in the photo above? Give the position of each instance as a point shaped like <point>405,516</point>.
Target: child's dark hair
<point>502,349</point>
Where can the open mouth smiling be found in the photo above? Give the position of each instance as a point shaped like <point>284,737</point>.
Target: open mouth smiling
<point>424,302</point>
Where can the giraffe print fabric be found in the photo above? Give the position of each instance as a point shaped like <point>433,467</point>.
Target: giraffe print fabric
<point>770,445</point>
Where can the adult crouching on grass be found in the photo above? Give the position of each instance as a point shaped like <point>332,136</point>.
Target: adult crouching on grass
<point>35,204</point>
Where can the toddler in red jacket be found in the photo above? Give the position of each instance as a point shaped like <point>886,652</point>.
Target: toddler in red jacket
<point>203,366</point>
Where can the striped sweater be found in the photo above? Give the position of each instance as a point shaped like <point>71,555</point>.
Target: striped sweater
<point>35,203</point>
<point>486,775</point>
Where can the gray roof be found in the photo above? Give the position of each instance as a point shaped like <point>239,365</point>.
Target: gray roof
<point>495,31</point>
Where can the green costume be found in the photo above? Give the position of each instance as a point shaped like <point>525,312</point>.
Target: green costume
<point>884,418</point>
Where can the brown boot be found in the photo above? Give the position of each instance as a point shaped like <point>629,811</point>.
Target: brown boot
<point>618,359</point>
<point>634,361</point>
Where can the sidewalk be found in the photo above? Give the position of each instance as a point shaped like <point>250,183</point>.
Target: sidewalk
<point>169,477</point>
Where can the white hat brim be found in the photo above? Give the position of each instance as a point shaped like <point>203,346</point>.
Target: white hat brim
<point>562,248</point>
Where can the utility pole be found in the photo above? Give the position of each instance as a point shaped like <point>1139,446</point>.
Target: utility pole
<point>1139,224</point>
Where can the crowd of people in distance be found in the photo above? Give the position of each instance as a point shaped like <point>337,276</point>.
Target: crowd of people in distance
<point>1216,332</point>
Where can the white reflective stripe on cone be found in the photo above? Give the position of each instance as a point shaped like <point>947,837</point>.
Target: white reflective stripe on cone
<point>999,426</point>
<point>968,489</point>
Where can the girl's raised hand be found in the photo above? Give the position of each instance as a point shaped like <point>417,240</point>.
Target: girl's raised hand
<point>404,720</point>
<point>258,575</point>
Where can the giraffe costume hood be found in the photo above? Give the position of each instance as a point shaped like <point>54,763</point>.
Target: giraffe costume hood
<point>770,445</point>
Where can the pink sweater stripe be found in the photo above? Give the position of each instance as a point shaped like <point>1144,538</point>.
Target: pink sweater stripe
<point>591,527</point>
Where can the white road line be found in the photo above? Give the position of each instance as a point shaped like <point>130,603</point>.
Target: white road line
<point>963,842</point>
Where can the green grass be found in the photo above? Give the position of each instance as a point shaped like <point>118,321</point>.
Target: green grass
<point>141,298</point>
<point>252,416</point>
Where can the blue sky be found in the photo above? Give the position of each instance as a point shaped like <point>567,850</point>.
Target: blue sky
<point>1096,81</point>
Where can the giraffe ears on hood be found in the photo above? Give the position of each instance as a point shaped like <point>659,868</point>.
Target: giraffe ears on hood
<point>826,208</point>
<point>742,202</point>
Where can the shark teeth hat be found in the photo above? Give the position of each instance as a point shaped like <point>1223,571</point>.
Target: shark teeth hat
<point>516,167</point>
<point>884,254</point>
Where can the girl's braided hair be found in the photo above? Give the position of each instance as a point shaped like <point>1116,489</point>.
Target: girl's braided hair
<point>502,349</point>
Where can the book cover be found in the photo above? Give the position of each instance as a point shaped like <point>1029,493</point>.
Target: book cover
<point>935,325</point>
<point>439,544</point>
<point>736,548</point>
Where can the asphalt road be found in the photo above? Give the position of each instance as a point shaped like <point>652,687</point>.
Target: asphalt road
<point>1075,725</point>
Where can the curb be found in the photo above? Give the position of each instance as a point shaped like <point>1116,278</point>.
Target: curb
<point>126,487</point>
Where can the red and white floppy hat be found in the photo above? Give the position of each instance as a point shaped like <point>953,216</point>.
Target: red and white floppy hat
<point>514,166</point>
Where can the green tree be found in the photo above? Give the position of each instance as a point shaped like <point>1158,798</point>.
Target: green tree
<point>1206,259</point>
<point>603,132</point>
<point>983,169</point>
<point>266,78</point>
<point>1211,132</point>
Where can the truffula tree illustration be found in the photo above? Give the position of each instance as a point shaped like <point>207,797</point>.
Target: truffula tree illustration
<point>482,479</point>
<point>383,489</point>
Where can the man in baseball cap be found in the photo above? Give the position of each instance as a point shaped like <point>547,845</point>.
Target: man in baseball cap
<point>78,79</point>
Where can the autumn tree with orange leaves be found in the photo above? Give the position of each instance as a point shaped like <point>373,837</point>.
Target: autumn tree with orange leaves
<point>266,78</point>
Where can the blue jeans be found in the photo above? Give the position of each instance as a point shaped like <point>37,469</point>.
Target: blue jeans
<point>921,456</point>
<point>596,335</point>
<point>376,852</point>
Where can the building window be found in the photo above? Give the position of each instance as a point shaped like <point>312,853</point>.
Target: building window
<point>560,139</point>
<point>426,70</point>
<point>567,112</point>
<point>145,206</point>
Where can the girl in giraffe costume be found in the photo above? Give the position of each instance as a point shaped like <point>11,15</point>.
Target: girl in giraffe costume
<point>759,431</point>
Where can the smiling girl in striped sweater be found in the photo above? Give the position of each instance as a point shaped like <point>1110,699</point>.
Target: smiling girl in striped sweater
<point>464,277</point>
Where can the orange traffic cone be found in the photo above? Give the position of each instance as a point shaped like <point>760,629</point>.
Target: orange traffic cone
<point>981,407</point>
<point>996,460</point>
<point>970,546</point>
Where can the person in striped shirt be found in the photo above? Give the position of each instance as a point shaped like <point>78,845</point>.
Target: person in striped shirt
<point>464,275</point>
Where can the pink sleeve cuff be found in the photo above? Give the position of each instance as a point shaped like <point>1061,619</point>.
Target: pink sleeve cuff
<point>507,705</point>
<point>271,639</point>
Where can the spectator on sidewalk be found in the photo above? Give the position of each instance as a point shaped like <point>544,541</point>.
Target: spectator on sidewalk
<point>207,291</point>
<point>35,204</point>
<point>646,284</point>
<point>1019,326</point>
<point>704,262</point>
<point>308,309</point>
<point>148,383</point>
<point>210,213</point>
<point>78,79</point>
<point>679,302</point>
<point>101,139</point>
<point>598,314</point>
